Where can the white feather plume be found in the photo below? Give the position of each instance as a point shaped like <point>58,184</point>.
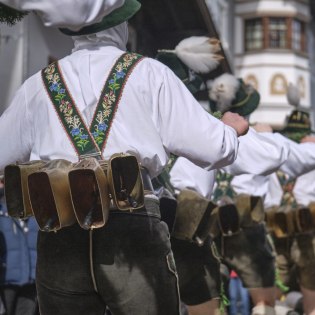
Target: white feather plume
<point>199,53</point>
<point>293,95</point>
<point>222,90</point>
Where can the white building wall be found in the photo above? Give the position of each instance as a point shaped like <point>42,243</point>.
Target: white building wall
<point>26,48</point>
<point>289,7</point>
<point>222,12</point>
<point>11,62</point>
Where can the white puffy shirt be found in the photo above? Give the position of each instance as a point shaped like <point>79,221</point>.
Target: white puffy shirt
<point>256,155</point>
<point>157,115</point>
<point>300,164</point>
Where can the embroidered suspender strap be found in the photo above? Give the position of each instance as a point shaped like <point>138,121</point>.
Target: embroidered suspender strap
<point>110,97</point>
<point>224,187</point>
<point>287,185</point>
<point>67,111</point>
<point>89,141</point>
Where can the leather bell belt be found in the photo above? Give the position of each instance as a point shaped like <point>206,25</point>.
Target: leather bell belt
<point>59,193</point>
<point>198,217</point>
<point>286,221</point>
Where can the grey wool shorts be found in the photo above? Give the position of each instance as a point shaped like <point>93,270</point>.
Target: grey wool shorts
<point>296,260</point>
<point>127,266</point>
<point>250,254</point>
<point>198,271</point>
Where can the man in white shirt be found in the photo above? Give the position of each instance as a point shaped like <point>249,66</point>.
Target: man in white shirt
<point>128,264</point>
<point>256,268</point>
<point>257,155</point>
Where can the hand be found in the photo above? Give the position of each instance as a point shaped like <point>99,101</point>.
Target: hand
<point>308,139</point>
<point>261,127</point>
<point>237,122</point>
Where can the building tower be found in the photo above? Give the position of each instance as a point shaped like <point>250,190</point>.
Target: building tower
<point>271,51</point>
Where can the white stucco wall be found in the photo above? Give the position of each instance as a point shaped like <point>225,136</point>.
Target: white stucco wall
<point>12,69</point>
<point>25,49</point>
<point>284,7</point>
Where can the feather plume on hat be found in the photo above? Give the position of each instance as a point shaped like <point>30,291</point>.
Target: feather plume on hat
<point>293,95</point>
<point>199,53</point>
<point>222,90</point>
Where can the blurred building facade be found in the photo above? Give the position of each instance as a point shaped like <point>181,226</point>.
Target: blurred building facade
<point>268,43</point>
<point>272,44</point>
<point>25,48</point>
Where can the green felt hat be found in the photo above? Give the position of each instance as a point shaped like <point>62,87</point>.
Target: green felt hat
<point>118,16</point>
<point>10,16</point>
<point>298,125</point>
<point>246,100</point>
<point>192,80</point>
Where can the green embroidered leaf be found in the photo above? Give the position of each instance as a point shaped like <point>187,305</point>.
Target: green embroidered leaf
<point>69,114</point>
<point>59,97</point>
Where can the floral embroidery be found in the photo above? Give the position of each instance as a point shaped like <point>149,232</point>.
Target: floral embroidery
<point>287,185</point>
<point>110,97</point>
<point>105,111</point>
<point>224,187</point>
<point>63,102</point>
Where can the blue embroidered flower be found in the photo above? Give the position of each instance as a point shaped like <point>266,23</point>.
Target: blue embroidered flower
<point>102,127</point>
<point>54,87</point>
<point>83,137</point>
<point>120,74</point>
<point>95,134</point>
<point>75,131</point>
<point>112,81</point>
<point>62,91</point>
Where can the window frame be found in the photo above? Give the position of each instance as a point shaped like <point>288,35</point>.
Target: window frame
<point>289,36</point>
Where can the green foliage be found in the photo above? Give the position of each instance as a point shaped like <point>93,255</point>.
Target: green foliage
<point>217,115</point>
<point>10,16</point>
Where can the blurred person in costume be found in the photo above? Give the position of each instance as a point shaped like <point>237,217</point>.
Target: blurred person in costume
<point>127,264</point>
<point>201,293</point>
<point>278,192</point>
<point>185,175</point>
<point>18,260</point>
<point>295,196</point>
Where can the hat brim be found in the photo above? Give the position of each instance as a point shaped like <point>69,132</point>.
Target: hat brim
<point>250,105</point>
<point>245,101</point>
<point>118,16</point>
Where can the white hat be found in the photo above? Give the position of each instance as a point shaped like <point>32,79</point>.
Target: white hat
<point>71,14</point>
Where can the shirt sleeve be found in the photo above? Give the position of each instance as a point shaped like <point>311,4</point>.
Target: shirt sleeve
<point>15,131</point>
<point>186,175</point>
<point>187,130</point>
<point>304,189</point>
<point>255,185</point>
<point>259,154</point>
<point>301,158</point>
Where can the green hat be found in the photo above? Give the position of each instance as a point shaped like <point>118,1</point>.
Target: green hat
<point>191,80</point>
<point>298,125</point>
<point>246,100</point>
<point>118,16</point>
<point>10,16</point>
